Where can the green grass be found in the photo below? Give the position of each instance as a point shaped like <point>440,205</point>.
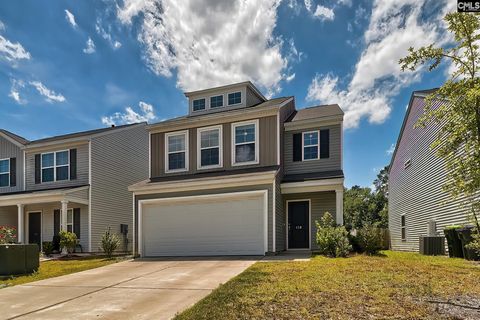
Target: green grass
<point>393,285</point>
<point>55,268</point>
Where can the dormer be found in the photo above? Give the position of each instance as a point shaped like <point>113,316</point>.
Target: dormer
<point>225,98</point>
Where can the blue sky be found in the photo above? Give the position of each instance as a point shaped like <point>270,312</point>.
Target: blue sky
<point>76,65</point>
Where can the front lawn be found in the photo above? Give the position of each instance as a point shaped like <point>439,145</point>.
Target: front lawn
<point>55,268</point>
<point>393,285</point>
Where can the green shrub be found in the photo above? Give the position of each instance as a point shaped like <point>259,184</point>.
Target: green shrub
<point>47,248</point>
<point>475,244</point>
<point>68,240</point>
<point>110,242</point>
<point>370,239</point>
<point>332,240</point>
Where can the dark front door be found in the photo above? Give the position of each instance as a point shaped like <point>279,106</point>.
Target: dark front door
<point>298,225</point>
<point>34,227</point>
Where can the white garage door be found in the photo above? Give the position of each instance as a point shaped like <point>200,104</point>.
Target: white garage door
<point>232,224</point>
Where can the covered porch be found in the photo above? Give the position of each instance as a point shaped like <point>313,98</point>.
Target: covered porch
<point>39,215</point>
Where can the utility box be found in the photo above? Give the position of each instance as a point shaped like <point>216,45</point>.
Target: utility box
<point>18,259</point>
<point>432,245</point>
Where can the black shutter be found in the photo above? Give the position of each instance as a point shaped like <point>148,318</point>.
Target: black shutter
<point>73,164</point>
<point>325,143</point>
<point>13,172</point>
<point>76,222</point>
<point>37,168</point>
<point>56,222</point>
<point>297,147</point>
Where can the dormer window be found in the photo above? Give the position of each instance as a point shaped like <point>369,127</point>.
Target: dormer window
<point>198,104</point>
<point>216,101</point>
<point>234,98</point>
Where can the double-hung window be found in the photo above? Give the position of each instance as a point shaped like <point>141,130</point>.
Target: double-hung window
<point>55,166</point>
<point>234,98</point>
<point>311,146</point>
<point>216,101</point>
<point>403,227</point>
<point>209,144</point>
<point>176,154</point>
<point>70,221</point>
<point>245,143</point>
<point>4,172</point>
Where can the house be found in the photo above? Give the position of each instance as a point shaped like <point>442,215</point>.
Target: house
<point>417,204</point>
<point>239,175</point>
<point>76,182</point>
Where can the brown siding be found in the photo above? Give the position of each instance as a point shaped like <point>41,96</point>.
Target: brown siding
<point>267,148</point>
<point>252,98</point>
<point>10,150</point>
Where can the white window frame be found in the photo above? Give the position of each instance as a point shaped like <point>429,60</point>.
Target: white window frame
<point>241,98</point>
<point>220,147</point>
<point>318,145</point>
<point>54,166</point>
<point>210,102</point>
<point>167,152</point>
<point>206,104</point>
<point>8,172</point>
<point>257,143</point>
<point>403,227</point>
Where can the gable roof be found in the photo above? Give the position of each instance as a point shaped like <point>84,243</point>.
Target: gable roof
<point>320,111</point>
<point>249,84</point>
<point>15,137</point>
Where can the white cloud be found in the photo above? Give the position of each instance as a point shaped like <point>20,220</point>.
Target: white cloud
<point>394,27</point>
<point>50,95</point>
<point>107,36</point>
<point>12,51</point>
<point>308,5</point>
<point>90,46</point>
<point>290,77</point>
<point>70,18</point>
<point>2,26</point>
<point>209,43</point>
<point>324,13</point>
<point>391,150</point>
<point>130,116</point>
<point>294,6</point>
<point>15,91</point>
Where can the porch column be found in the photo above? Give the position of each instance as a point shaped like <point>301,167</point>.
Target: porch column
<point>339,207</point>
<point>63,225</point>
<point>21,223</point>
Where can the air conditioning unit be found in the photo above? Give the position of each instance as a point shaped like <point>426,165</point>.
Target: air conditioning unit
<point>432,246</point>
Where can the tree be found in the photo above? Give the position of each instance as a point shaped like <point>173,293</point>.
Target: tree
<point>458,141</point>
<point>381,183</point>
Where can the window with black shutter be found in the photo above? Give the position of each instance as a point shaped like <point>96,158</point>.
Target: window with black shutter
<point>325,143</point>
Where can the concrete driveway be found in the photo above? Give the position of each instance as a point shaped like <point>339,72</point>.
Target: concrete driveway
<point>143,289</point>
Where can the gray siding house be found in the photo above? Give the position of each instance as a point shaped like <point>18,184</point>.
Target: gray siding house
<point>417,204</point>
<point>76,182</point>
<point>239,175</point>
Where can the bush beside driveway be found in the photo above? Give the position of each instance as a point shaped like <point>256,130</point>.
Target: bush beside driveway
<point>391,285</point>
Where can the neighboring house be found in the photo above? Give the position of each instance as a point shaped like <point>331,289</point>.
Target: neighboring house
<point>76,182</point>
<point>239,175</point>
<point>417,204</point>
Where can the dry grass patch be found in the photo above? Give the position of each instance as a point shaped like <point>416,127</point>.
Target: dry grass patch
<point>394,285</point>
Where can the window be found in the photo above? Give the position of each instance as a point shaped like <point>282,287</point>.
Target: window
<point>407,163</point>
<point>310,145</point>
<point>209,147</point>
<point>216,102</point>
<point>70,220</point>
<point>403,228</point>
<point>198,104</point>
<point>4,172</point>
<point>245,142</point>
<point>234,98</point>
<point>177,151</point>
<point>55,166</point>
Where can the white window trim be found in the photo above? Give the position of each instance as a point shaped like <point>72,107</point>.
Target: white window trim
<point>206,104</point>
<point>54,166</point>
<point>8,172</point>
<point>241,98</point>
<point>73,217</point>
<point>257,142</point>
<point>220,147</point>
<point>303,145</point>
<point>176,133</point>
<point>402,216</point>
<point>210,102</point>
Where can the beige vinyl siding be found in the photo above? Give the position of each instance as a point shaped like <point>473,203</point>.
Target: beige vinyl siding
<point>280,218</point>
<point>119,159</point>
<point>334,162</point>
<point>9,216</point>
<point>11,150</point>
<point>267,187</point>
<point>82,169</point>
<point>321,202</point>
<point>267,148</point>
<point>47,211</point>
<point>252,99</point>
<point>417,191</point>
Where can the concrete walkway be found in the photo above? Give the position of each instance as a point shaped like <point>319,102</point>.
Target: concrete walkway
<point>143,289</point>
